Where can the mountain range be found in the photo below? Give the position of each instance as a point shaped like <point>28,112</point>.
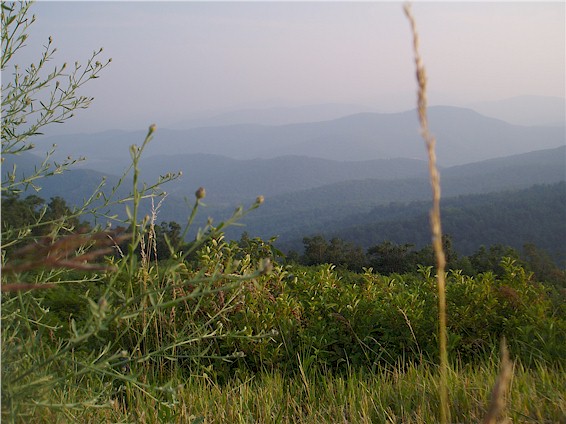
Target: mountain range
<point>463,136</point>
<point>343,193</point>
<point>523,110</point>
<point>315,176</point>
<point>320,209</point>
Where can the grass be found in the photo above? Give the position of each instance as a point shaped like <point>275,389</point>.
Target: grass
<point>407,395</point>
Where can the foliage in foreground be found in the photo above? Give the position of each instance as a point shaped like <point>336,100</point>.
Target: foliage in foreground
<point>339,319</point>
<point>114,336</point>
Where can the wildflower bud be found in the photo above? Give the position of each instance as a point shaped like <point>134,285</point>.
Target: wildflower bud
<point>152,128</point>
<point>266,266</point>
<point>200,193</point>
<point>102,303</point>
<point>259,200</point>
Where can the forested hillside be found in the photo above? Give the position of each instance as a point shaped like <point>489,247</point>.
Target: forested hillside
<point>369,210</point>
<point>301,192</point>
<point>535,215</point>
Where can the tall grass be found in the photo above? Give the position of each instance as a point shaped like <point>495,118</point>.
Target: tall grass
<point>404,394</point>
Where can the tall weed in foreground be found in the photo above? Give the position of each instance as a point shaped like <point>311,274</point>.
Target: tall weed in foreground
<point>133,328</point>
<point>497,403</point>
<point>435,221</point>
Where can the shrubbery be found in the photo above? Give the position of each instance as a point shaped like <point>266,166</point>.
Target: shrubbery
<point>341,319</point>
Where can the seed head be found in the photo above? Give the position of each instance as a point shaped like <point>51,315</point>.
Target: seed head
<point>200,193</point>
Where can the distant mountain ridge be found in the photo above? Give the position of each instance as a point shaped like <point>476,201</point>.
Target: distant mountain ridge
<point>292,211</point>
<point>526,110</point>
<point>464,136</point>
<point>308,181</point>
<point>231,180</point>
<point>321,208</point>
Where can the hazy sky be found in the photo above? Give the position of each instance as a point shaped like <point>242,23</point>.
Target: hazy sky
<point>171,59</point>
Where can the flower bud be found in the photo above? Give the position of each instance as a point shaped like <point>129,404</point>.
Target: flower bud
<point>200,193</point>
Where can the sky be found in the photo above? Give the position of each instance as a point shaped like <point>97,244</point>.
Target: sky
<point>172,60</point>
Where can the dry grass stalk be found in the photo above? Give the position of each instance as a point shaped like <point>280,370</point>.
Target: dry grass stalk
<point>47,253</point>
<point>151,249</point>
<point>501,387</point>
<point>435,221</point>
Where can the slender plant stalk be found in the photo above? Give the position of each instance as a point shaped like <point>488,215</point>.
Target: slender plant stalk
<point>435,222</point>
<point>136,195</point>
<point>501,388</point>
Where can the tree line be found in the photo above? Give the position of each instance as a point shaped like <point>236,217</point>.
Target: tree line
<point>388,258</point>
